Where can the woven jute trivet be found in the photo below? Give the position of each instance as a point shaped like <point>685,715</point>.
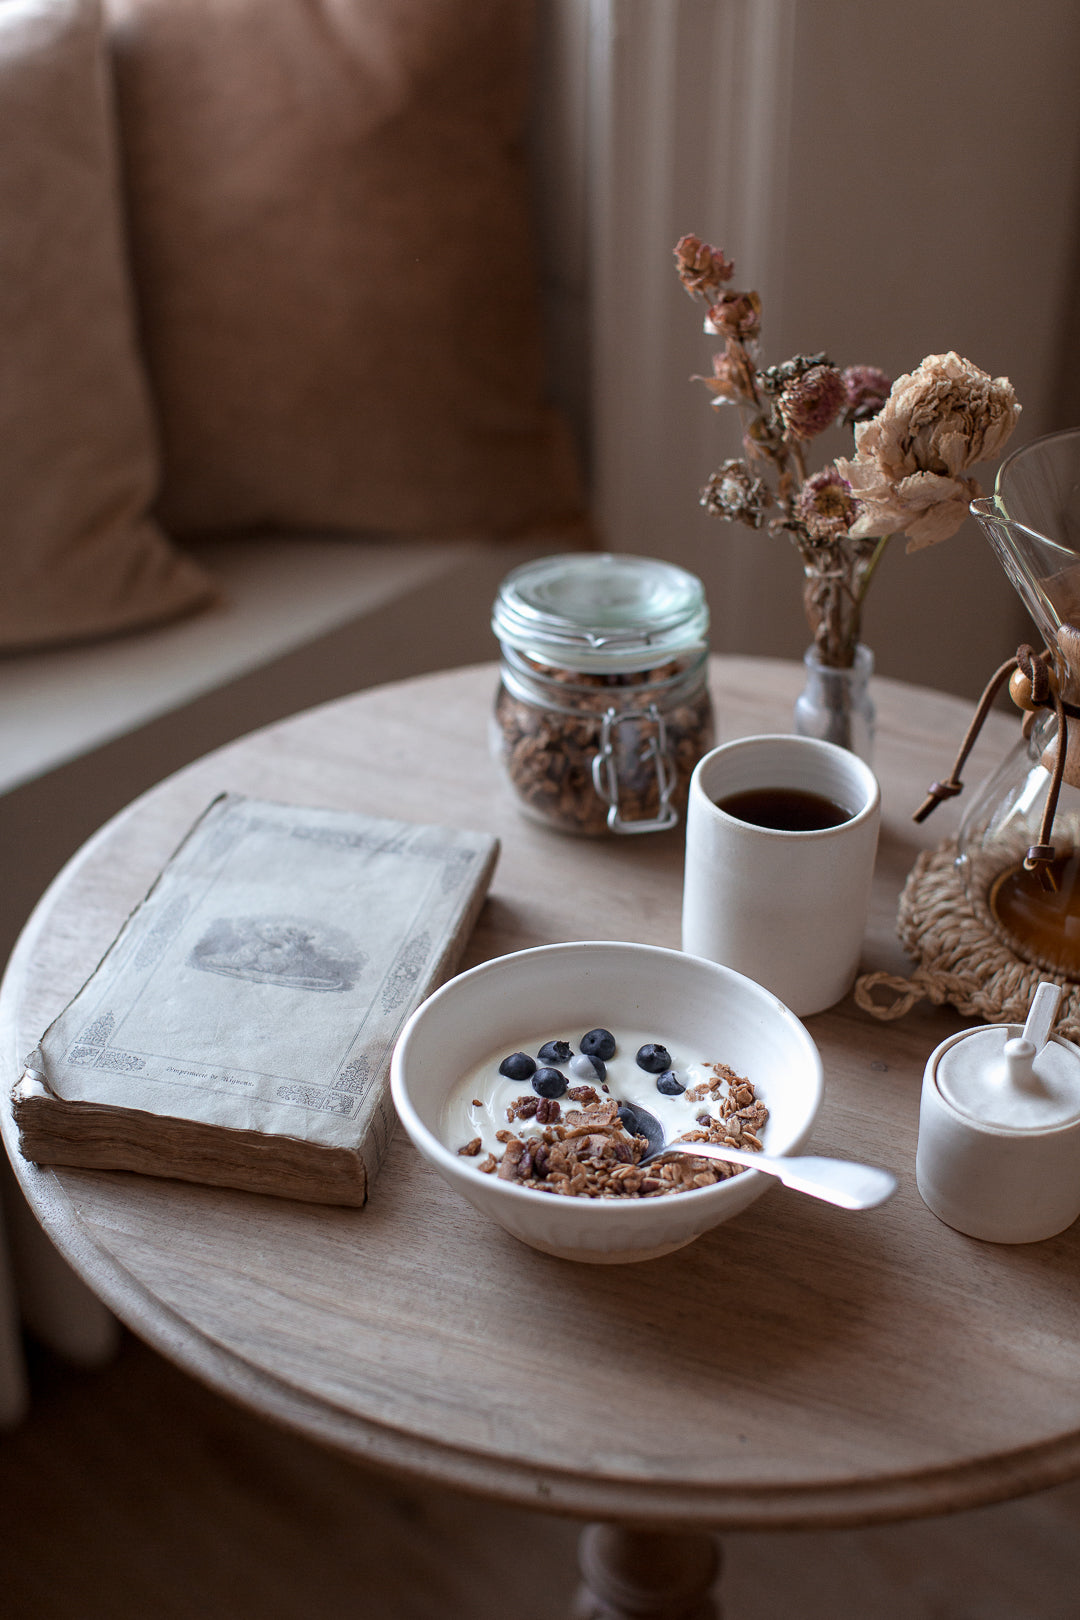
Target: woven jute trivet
<point>962,956</point>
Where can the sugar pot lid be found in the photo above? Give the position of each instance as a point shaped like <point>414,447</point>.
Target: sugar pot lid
<point>1010,1082</point>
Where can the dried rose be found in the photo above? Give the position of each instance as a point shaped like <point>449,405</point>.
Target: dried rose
<point>811,402</point>
<point>926,507</point>
<point>735,494</point>
<point>702,267</point>
<point>826,507</point>
<point>866,390</point>
<point>736,315</point>
<point>907,471</point>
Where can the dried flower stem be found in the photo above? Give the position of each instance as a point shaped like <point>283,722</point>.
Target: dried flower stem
<point>871,568</point>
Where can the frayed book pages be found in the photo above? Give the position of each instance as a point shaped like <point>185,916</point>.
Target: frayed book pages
<point>239,1030</point>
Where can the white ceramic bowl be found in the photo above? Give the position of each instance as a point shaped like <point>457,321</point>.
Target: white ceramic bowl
<point>504,1002</point>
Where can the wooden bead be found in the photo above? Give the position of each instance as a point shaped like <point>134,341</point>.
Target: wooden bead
<point>1020,691</point>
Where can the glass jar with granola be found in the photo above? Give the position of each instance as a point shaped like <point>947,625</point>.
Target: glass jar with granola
<point>603,708</point>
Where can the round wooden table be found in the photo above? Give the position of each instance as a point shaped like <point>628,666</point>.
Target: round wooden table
<point>798,1366</point>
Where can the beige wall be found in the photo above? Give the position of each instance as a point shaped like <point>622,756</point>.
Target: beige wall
<point>895,181</point>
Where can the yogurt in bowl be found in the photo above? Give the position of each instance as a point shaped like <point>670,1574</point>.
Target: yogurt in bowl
<point>703,1012</point>
<point>547,1116</point>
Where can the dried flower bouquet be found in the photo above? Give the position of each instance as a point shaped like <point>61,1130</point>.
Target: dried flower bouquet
<point>915,441</point>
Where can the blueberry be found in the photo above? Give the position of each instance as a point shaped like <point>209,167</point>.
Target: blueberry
<point>653,1058</point>
<point>598,1043</point>
<point>588,1068</point>
<point>549,1083</point>
<point>669,1084</point>
<point>554,1052</point>
<point>518,1066</point>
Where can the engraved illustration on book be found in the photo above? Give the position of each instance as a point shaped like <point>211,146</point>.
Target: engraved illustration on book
<point>290,951</point>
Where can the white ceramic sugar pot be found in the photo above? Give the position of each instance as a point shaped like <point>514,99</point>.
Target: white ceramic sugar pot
<point>999,1129</point>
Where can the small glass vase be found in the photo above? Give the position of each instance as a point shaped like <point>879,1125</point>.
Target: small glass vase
<point>835,704</point>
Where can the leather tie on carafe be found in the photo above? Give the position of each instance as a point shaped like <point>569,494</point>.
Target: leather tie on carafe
<point>1037,668</point>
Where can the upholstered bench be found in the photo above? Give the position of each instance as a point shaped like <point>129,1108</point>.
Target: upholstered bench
<point>273,419</point>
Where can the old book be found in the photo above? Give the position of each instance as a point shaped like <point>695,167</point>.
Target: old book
<point>239,1030</point>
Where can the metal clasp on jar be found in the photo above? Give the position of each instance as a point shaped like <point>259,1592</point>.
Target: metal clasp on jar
<point>605,772</point>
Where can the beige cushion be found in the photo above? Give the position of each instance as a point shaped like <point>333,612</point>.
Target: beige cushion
<point>77,447</point>
<point>330,234</point>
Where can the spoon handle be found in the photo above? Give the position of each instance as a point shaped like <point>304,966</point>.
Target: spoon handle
<point>836,1181</point>
<point>1041,1015</point>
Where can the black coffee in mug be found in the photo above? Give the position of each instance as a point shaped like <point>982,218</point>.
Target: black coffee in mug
<point>784,809</point>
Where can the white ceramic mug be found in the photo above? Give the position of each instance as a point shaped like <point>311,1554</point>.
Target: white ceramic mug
<point>787,908</point>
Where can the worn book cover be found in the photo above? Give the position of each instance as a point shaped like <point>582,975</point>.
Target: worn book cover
<point>239,1030</point>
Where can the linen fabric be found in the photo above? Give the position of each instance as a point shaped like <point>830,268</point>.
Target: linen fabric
<point>77,448</point>
<point>329,214</point>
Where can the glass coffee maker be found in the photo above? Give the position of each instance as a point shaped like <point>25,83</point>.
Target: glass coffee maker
<point>1019,843</point>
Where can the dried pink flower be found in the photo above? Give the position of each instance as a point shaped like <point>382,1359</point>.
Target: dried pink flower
<point>867,389</point>
<point>807,405</point>
<point>907,471</point>
<point>702,268</point>
<point>724,384</point>
<point>826,507</point>
<point>735,494</point>
<point>763,440</point>
<point>915,441</point>
<point>736,315</point>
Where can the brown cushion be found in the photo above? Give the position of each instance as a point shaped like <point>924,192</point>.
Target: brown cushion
<point>330,233</point>
<point>77,447</point>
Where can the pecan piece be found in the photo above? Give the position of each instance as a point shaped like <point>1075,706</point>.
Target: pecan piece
<point>517,1160</point>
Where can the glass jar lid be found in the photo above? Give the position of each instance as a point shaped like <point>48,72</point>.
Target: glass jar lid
<point>601,611</point>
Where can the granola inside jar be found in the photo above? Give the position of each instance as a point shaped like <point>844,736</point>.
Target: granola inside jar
<point>603,708</point>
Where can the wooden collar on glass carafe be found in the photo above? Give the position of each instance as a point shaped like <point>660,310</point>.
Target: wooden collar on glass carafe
<point>1068,673</point>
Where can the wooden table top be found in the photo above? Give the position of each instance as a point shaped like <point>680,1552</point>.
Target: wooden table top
<point>795,1366</point>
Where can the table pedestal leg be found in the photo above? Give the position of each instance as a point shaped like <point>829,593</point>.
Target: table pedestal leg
<point>645,1575</point>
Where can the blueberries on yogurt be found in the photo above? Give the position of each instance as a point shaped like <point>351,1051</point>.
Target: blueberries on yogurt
<point>599,1043</point>
<point>554,1052</point>
<point>653,1058</point>
<point>549,1082</point>
<point>668,1084</point>
<point>518,1066</point>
